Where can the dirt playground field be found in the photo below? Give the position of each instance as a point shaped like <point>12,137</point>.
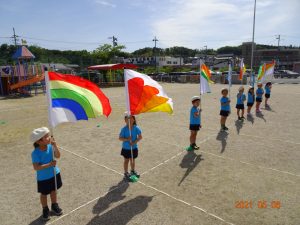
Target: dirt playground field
<point>248,176</point>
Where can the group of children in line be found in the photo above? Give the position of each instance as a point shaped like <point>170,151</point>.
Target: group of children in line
<point>46,150</point>
<point>195,112</point>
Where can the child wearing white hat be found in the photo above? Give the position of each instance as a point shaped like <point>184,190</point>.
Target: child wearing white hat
<point>44,164</point>
<point>195,122</point>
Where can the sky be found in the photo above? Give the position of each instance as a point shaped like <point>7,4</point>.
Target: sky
<point>86,24</point>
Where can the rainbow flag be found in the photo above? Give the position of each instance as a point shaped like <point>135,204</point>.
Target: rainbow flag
<point>144,94</point>
<point>72,98</point>
<point>205,79</point>
<point>265,70</point>
<point>242,69</point>
<point>261,72</point>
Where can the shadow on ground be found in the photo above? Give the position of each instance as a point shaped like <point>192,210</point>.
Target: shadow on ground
<point>123,213</point>
<point>222,136</point>
<point>115,194</point>
<point>261,116</point>
<point>250,118</point>
<point>189,161</point>
<point>239,125</point>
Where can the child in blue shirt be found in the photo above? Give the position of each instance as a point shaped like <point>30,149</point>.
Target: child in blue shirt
<point>44,164</point>
<point>225,108</point>
<point>268,88</point>
<point>259,96</point>
<point>195,121</point>
<point>130,144</point>
<point>241,98</point>
<point>250,100</point>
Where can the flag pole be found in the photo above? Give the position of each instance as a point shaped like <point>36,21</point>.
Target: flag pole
<point>229,80</point>
<point>252,49</point>
<point>200,61</point>
<point>49,121</point>
<point>128,113</point>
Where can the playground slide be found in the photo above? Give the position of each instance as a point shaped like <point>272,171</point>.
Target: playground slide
<point>27,82</point>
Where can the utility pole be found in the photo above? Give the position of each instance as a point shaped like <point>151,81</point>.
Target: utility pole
<point>114,41</point>
<point>155,40</point>
<point>252,47</point>
<point>114,44</point>
<point>14,37</point>
<point>278,38</point>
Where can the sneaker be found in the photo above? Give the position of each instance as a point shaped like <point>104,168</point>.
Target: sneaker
<point>242,117</point>
<point>55,209</point>
<point>226,128</point>
<point>249,114</point>
<point>45,215</point>
<point>126,176</point>
<point>239,118</point>
<point>133,172</point>
<point>196,147</point>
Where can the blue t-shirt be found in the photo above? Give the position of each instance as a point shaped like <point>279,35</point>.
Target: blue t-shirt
<point>44,157</point>
<point>193,118</point>
<point>268,90</point>
<point>259,92</point>
<point>240,99</point>
<point>135,132</point>
<point>225,107</point>
<point>250,98</point>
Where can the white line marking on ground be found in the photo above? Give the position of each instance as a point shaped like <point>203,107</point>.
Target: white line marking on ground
<point>184,202</point>
<point>92,161</point>
<point>174,156</point>
<point>227,158</point>
<point>149,186</point>
<point>250,164</point>
<point>85,204</point>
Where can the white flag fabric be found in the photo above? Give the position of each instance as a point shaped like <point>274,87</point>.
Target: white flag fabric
<point>204,86</point>
<point>143,94</point>
<point>229,76</point>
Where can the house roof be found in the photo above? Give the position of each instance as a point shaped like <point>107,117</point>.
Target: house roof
<point>23,53</point>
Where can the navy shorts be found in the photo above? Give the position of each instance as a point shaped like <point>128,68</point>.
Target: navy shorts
<point>127,153</point>
<point>240,106</point>
<point>46,186</point>
<point>267,95</point>
<point>194,126</point>
<point>224,113</point>
<point>259,99</point>
<point>250,104</point>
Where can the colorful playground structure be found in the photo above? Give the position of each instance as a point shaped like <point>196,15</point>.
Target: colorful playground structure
<point>24,76</point>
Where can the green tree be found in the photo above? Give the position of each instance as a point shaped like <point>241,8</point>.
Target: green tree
<point>105,53</point>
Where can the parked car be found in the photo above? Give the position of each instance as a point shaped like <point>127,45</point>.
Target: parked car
<point>285,74</point>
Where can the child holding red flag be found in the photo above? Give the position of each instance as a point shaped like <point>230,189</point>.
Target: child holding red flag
<point>129,146</point>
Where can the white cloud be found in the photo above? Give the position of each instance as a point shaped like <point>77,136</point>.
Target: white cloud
<point>216,23</point>
<point>105,3</point>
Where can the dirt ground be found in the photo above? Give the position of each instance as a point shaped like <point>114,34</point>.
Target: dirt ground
<point>257,164</point>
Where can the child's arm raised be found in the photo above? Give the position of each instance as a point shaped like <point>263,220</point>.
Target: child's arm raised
<point>55,148</point>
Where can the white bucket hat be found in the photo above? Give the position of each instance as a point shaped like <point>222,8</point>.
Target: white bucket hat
<point>195,98</point>
<point>38,133</point>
